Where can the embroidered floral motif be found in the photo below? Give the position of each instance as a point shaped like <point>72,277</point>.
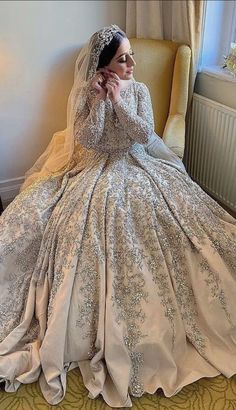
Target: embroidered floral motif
<point>119,236</point>
<point>129,122</point>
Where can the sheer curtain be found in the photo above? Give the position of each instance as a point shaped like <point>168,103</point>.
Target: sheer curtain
<point>179,20</point>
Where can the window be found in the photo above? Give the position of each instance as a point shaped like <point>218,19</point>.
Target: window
<point>219,32</point>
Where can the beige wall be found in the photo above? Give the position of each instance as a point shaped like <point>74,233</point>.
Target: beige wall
<point>220,88</point>
<point>39,43</point>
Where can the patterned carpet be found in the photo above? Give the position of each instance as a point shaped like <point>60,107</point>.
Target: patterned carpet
<point>216,393</point>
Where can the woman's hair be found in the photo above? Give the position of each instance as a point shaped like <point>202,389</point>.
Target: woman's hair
<point>110,49</point>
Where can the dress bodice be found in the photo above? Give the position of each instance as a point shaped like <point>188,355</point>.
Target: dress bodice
<point>114,136</point>
<point>107,128</point>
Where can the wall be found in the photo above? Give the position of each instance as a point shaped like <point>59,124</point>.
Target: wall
<point>39,43</point>
<point>217,85</point>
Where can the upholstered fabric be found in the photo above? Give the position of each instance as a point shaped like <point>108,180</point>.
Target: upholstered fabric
<point>164,67</point>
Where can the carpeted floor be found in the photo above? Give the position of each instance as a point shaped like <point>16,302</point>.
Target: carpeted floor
<point>216,393</point>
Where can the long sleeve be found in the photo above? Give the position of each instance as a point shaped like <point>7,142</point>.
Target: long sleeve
<point>139,126</point>
<point>89,124</point>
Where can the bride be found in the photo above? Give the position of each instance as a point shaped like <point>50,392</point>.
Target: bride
<point>113,260</point>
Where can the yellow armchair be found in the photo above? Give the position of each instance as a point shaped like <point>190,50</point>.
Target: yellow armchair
<point>164,67</point>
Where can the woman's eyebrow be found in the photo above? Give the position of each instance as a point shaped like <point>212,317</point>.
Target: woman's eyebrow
<point>124,53</point>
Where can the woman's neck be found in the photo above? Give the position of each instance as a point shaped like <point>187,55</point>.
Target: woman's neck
<point>125,83</point>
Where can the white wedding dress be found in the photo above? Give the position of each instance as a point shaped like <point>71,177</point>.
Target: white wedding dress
<point>121,266</point>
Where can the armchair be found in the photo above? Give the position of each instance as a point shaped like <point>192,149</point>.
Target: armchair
<point>164,67</point>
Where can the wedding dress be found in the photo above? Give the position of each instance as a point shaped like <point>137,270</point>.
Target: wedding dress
<point>121,266</point>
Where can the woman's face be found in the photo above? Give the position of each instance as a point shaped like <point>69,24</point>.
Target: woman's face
<point>123,63</point>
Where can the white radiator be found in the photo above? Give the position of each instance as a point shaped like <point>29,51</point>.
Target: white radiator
<point>211,149</point>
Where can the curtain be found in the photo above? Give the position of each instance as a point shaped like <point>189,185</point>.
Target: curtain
<point>178,20</point>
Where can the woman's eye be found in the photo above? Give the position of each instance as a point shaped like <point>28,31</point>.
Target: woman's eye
<point>125,61</point>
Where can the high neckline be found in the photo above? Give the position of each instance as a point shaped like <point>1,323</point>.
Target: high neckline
<point>128,86</point>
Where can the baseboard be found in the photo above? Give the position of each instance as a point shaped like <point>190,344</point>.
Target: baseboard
<point>9,188</point>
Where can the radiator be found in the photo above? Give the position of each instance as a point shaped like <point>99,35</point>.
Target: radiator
<point>211,149</point>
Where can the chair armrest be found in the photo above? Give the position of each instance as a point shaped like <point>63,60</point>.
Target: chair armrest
<point>174,132</point>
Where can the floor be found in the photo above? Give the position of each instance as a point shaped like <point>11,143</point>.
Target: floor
<point>216,393</point>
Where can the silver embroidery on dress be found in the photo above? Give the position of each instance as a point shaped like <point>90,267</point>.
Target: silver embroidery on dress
<point>119,234</point>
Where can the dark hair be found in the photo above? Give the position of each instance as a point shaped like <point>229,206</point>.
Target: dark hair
<point>110,49</point>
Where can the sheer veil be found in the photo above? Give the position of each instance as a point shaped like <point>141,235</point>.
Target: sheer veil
<point>57,156</point>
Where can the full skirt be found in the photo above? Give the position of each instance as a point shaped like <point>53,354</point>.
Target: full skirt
<point>123,267</point>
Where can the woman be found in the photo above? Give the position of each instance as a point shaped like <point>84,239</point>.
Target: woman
<point>111,260</point>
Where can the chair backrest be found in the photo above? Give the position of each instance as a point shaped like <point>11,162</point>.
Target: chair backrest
<point>155,67</point>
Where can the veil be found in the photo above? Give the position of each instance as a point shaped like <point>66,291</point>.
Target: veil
<point>58,154</point>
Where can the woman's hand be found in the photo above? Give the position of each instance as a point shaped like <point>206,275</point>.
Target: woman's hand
<point>113,85</point>
<point>98,84</point>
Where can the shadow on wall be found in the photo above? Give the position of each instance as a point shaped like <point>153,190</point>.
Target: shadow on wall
<point>52,111</point>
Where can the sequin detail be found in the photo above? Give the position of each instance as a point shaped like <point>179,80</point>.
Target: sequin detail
<point>132,117</point>
<point>114,261</point>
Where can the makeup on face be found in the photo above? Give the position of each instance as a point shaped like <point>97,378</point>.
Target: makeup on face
<point>122,63</point>
<point>123,57</point>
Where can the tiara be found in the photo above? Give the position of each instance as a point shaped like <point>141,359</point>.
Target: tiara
<point>102,38</point>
